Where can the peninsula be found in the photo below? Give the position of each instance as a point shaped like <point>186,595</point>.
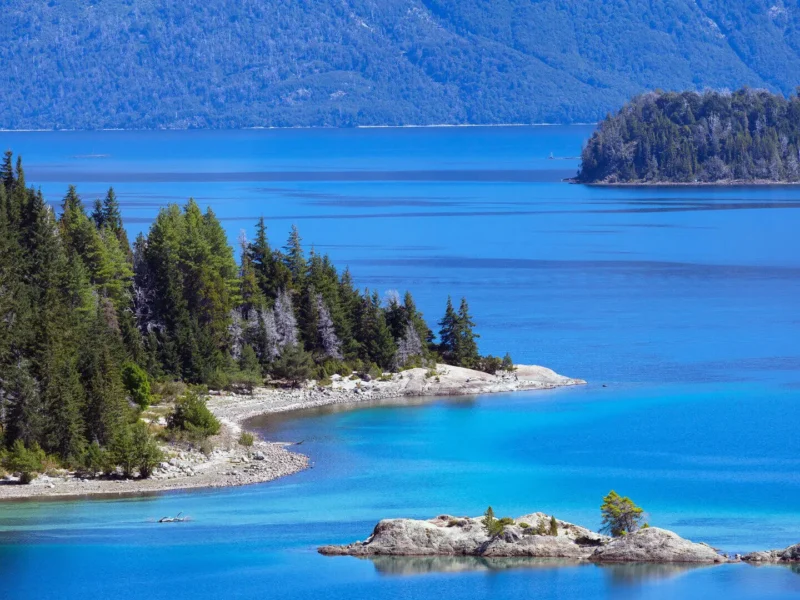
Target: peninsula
<point>230,462</point>
<point>107,349</point>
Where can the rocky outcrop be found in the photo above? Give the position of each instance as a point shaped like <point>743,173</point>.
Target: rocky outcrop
<point>655,545</point>
<point>787,555</point>
<point>461,536</point>
<point>453,536</point>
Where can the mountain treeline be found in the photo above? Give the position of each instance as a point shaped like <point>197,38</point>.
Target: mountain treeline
<point>88,321</point>
<point>149,64</point>
<point>745,136</point>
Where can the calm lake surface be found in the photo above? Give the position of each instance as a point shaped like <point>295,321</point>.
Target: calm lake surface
<point>683,301</point>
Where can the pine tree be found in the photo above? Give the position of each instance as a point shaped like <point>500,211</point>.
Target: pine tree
<point>466,346</point>
<point>448,334</point>
<point>7,170</point>
<point>374,336</point>
<point>295,259</point>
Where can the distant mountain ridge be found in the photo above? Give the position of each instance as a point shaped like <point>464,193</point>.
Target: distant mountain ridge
<point>160,64</point>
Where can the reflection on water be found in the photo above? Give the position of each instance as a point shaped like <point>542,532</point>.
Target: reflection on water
<point>792,567</point>
<point>266,423</point>
<point>414,565</point>
<point>618,573</point>
<point>637,573</point>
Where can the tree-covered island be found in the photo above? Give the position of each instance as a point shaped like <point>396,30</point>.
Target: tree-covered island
<point>748,136</point>
<point>94,330</point>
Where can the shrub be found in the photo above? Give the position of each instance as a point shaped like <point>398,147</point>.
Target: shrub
<point>325,382</point>
<point>541,528</point>
<point>26,462</point>
<point>137,384</point>
<point>170,390</point>
<point>524,525</point>
<point>206,447</point>
<point>489,364</point>
<point>134,449</point>
<point>620,515</point>
<point>492,526</point>
<point>506,521</point>
<point>333,367</point>
<point>192,416</point>
<point>95,459</point>
<point>293,365</point>
<point>218,380</point>
<point>246,380</point>
<point>553,526</point>
<point>246,439</point>
<point>508,364</point>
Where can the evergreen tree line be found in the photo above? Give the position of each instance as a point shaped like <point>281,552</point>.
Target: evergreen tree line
<point>88,321</point>
<point>748,135</point>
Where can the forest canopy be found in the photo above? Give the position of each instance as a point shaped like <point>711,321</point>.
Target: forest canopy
<point>88,321</point>
<point>714,137</point>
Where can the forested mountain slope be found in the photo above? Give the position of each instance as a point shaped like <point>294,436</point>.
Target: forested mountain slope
<point>157,63</point>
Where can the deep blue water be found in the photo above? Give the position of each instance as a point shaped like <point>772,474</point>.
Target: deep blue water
<point>683,301</point>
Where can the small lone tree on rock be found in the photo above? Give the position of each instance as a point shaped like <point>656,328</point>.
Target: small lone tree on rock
<point>620,515</point>
<point>492,525</point>
<point>553,526</point>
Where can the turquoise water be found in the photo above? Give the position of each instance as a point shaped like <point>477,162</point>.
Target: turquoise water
<point>682,301</point>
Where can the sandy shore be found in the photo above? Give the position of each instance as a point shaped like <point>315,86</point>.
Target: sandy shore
<point>231,464</point>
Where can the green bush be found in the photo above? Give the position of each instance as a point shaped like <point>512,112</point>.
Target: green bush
<point>192,416</point>
<point>506,521</point>
<point>508,363</point>
<point>553,526</point>
<point>219,379</point>
<point>26,462</point>
<point>293,365</point>
<point>524,525</point>
<point>170,390</point>
<point>137,384</point>
<point>134,449</point>
<point>245,379</point>
<point>491,525</point>
<point>489,364</point>
<point>246,439</point>
<point>95,460</point>
<point>325,382</point>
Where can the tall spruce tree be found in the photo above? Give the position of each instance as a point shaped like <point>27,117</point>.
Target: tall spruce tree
<point>448,333</point>
<point>466,348</point>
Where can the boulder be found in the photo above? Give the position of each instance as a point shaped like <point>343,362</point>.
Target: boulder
<point>655,545</point>
<point>787,555</point>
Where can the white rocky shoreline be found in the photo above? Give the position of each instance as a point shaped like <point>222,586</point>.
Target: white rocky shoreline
<point>231,464</point>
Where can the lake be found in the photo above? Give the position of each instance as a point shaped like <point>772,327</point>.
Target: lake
<point>679,305</point>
